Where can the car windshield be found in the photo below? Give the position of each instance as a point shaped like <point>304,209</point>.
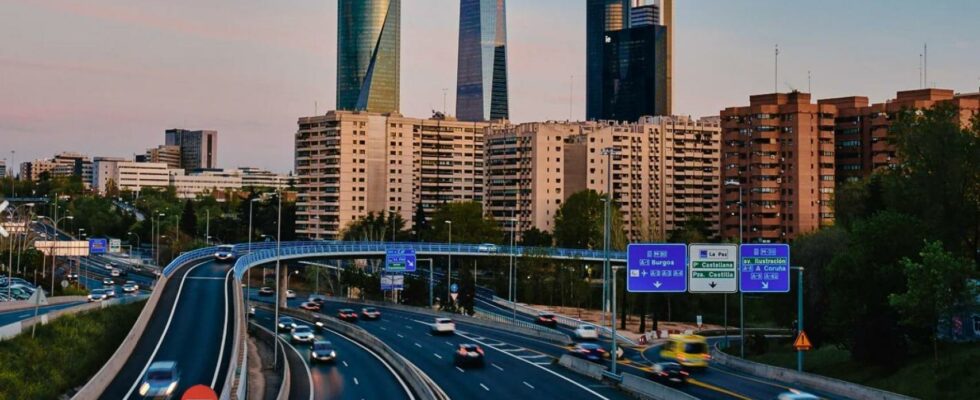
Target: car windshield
<point>159,375</point>
<point>302,329</point>
<point>589,346</point>
<point>323,346</point>
<point>98,291</point>
<point>587,328</point>
<point>369,310</point>
<point>444,321</point>
<point>671,367</point>
<point>226,248</point>
<point>286,320</point>
<point>695,348</point>
<point>346,311</point>
<point>547,316</point>
<point>468,347</point>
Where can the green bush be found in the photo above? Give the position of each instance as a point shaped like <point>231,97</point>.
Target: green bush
<point>64,354</point>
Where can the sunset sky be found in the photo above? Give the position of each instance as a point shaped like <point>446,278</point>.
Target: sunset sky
<point>106,78</point>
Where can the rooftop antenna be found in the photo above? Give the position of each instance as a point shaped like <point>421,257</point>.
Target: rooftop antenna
<point>444,90</point>
<point>316,108</point>
<point>571,84</point>
<point>809,88</point>
<point>925,64</point>
<point>775,78</point>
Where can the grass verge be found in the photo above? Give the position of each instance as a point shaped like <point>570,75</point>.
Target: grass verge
<point>955,378</point>
<point>64,354</point>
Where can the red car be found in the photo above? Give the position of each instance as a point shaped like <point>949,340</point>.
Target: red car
<point>346,314</point>
<point>310,306</point>
<point>371,313</point>
<point>547,319</point>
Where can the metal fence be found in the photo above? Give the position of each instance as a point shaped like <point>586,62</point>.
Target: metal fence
<point>563,320</point>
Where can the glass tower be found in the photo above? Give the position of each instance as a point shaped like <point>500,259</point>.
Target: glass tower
<point>368,50</point>
<point>481,77</point>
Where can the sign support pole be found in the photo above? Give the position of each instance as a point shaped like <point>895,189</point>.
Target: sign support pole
<point>799,312</point>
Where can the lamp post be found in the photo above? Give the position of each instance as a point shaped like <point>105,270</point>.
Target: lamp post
<point>248,273</point>
<point>137,241</point>
<point>278,254</point>
<point>612,354</point>
<point>608,152</point>
<point>449,274</point>
<point>207,228</point>
<point>741,296</point>
<point>156,235</point>
<point>55,221</point>
<point>512,286</point>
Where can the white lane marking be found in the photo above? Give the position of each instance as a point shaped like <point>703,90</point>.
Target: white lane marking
<point>437,356</point>
<point>309,374</point>
<point>224,333</point>
<point>383,328</point>
<point>496,366</point>
<point>418,345</point>
<point>528,385</point>
<point>356,382</point>
<point>400,336</point>
<point>460,369</point>
<point>450,344</point>
<point>535,356</point>
<point>409,327</point>
<point>207,278</point>
<point>345,363</point>
<point>484,387</point>
<point>166,327</point>
<point>548,371</point>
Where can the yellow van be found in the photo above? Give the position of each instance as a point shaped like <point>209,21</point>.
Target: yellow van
<point>687,350</point>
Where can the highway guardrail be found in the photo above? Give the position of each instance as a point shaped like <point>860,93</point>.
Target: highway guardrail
<point>636,386</point>
<point>265,334</point>
<point>419,383</point>
<point>818,382</point>
<point>562,319</point>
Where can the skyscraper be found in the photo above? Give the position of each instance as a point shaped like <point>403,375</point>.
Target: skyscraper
<point>368,49</point>
<point>628,65</point>
<point>198,149</point>
<point>481,75</point>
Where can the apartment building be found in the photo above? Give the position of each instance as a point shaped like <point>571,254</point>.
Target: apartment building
<point>349,163</point>
<point>861,129</point>
<point>64,164</point>
<point>169,155</point>
<point>189,186</point>
<point>665,171</point>
<point>778,155</point>
<point>260,178</point>
<point>135,176</point>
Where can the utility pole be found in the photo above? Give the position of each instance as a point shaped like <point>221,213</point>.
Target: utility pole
<point>799,313</point>
<point>775,79</point>
<point>608,152</point>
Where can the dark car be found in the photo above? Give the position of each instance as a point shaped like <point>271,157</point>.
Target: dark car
<point>322,350</point>
<point>347,314</point>
<point>668,373</point>
<point>287,323</point>
<point>266,291</point>
<point>547,319</point>
<point>468,354</point>
<point>589,351</point>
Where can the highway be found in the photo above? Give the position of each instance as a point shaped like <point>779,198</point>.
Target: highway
<point>9,317</point>
<point>193,324</point>
<point>356,374</point>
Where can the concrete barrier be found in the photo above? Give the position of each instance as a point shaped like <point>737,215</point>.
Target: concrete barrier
<point>25,304</point>
<point>814,381</point>
<point>582,367</point>
<point>95,386</point>
<point>643,388</point>
<point>231,378</point>
<point>420,384</point>
<point>268,336</point>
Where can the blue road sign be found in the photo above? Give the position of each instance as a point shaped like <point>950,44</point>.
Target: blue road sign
<point>98,246</point>
<point>454,288</point>
<point>400,260</point>
<point>763,268</point>
<point>656,268</point>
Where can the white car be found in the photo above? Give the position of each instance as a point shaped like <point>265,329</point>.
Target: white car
<point>97,295</point>
<point>109,267</point>
<point>586,332</point>
<point>444,325</point>
<point>130,287</point>
<point>290,294</point>
<point>107,282</point>
<point>302,334</point>
<point>225,253</point>
<point>115,272</point>
<point>487,248</point>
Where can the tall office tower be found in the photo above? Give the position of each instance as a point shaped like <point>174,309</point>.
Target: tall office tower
<point>628,63</point>
<point>779,153</point>
<point>198,149</point>
<point>481,74</point>
<point>368,51</point>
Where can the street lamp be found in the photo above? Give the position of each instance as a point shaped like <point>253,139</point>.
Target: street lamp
<point>741,296</point>
<point>511,285</point>
<point>609,152</point>
<point>248,273</point>
<point>55,222</point>
<point>155,223</point>
<point>449,275</point>
<point>278,260</point>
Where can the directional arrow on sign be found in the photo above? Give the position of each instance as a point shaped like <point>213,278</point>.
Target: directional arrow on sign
<point>765,285</point>
<point>657,284</point>
<point>712,284</point>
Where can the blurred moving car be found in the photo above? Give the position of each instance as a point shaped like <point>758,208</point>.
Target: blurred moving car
<point>586,332</point>
<point>687,350</point>
<point>110,291</point>
<point>290,294</point>
<point>310,306</point>
<point>589,351</point>
<point>130,287</point>
<point>370,313</point>
<point>794,394</point>
<point>317,298</point>
<point>468,354</point>
<point>319,322</point>
<point>225,253</point>
<point>287,323</point>
<point>347,314</point>
<point>322,351</point>
<point>266,291</point>
<point>547,319</point>
<point>668,373</point>
<point>444,326</point>
<point>302,334</point>
<point>108,282</point>
<point>160,380</point>
<point>487,248</point>
<point>97,295</point>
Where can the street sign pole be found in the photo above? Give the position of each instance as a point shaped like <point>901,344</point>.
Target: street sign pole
<point>799,312</point>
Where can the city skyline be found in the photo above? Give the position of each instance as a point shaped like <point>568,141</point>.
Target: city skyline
<point>481,75</point>
<point>102,93</point>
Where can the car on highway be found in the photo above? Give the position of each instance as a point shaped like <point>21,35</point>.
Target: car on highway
<point>443,326</point>
<point>589,351</point>
<point>668,373</point>
<point>19,292</point>
<point>110,291</point>
<point>794,394</point>
<point>251,311</point>
<point>468,354</point>
<point>110,266</point>
<point>108,282</point>
<point>136,267</point>
<point>287,323</point>
<point>15,281</point>
<point>322,351</point>
<point>225,253</point>
<point>160,380</point>
<point>266,291</point>
<point>130,287</point>
<point>347,314</point>
<point>97,295</point>
<point>586,332</point>
<point>317,298</point>
<point>319,322</point>
<point>370,313</point>
<point>487,248</point>
<point>72,276</point>
<point>546,319</point>
<point>115,273</point>
<point>302,334</point>
<point>310,306</point>
<point>691,351</point>
<point>290,294</point>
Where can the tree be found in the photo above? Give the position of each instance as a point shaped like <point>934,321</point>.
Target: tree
<point>535,237</point>
<point>419,225</point>
<point>694,230</point>
<point>469,224</point>
<point>188,219</point>
<point>936,284</point>
<point>579,223</point>
<point>376,228</point>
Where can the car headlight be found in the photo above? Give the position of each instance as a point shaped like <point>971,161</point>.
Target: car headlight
<point>333,353</point>
<point>170,389</point>
<point>315,355</point>
<point>144,389</point>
